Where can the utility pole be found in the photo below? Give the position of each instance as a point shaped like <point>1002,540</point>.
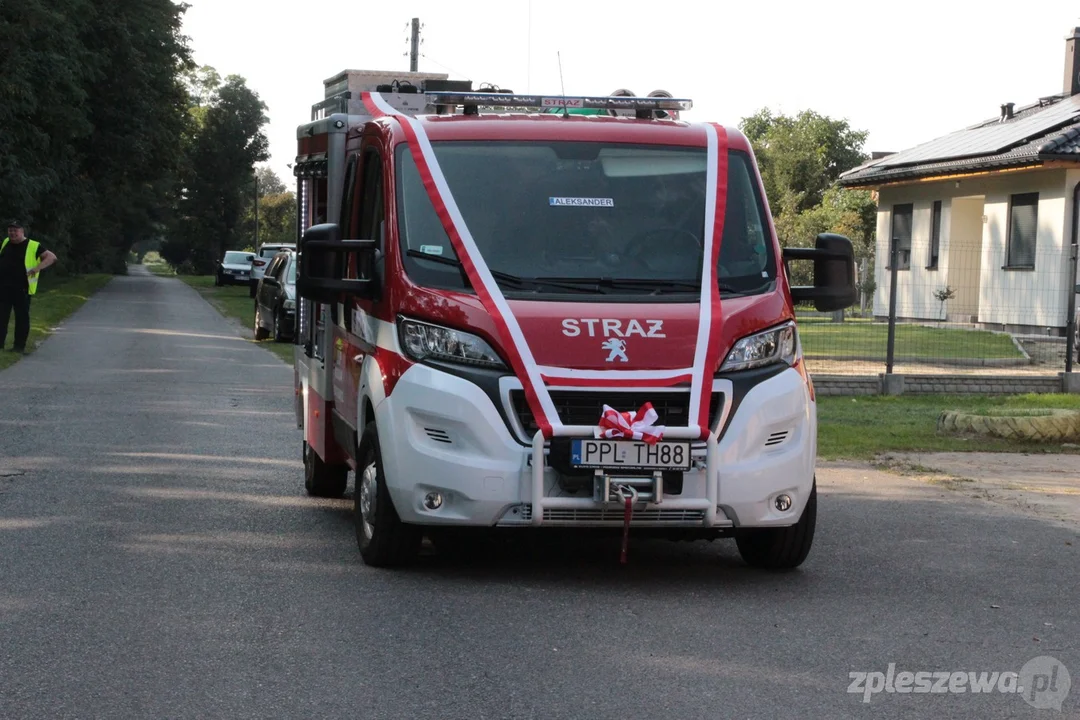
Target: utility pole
<point>256,211</point>
<point>414,53</point>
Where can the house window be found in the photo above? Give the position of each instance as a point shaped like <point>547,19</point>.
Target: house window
<point>1023,225</point>
<point>901,235</point>
<point>935,235</point>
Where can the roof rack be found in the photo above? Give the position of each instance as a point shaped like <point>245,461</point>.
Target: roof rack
<point>643,107</point>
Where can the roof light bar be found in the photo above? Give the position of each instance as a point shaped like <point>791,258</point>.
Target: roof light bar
<point>557,101</point>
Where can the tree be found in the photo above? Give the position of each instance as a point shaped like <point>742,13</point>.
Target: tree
<point>277,210</point>
<point>91,107</point>
<point>224,142</point>
<point>800,158</point>
<point>277,218</point>
<point>269,182</point>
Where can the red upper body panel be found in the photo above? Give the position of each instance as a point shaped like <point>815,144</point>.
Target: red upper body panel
<point>657,336</point>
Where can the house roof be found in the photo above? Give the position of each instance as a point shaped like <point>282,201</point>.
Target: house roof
<point>1045,130</point>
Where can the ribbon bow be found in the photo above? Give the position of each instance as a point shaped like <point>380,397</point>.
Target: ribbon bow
<point>637,426</point>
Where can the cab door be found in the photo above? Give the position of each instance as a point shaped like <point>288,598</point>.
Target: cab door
<point>363,212</point>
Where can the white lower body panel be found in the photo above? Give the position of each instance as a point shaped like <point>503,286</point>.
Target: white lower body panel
<point>440,433</point>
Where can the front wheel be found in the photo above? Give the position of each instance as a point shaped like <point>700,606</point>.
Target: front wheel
<point>279,328</point>
<point>780,548</point>
<point>383,539</point>
<point>322,479</point>
<point>260,332</point>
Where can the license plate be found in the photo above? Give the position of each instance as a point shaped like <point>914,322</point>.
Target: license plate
<point>630,455</point>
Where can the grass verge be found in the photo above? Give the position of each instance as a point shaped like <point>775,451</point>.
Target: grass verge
<point>862,428</point>
<point>233,302</point>
<point>52,304</point>
<point>864,339</point>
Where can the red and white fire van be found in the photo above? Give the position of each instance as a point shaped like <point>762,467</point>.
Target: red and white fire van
<point>514,317</point>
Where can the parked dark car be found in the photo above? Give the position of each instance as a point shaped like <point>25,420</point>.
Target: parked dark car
<point>234,268</point>
<point>275,299</point>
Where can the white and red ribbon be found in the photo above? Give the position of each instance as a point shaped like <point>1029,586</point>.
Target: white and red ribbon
<point>632,426</point>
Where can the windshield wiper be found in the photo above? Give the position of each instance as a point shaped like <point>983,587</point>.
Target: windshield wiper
<point>656,286</point>
<point>515,281</point>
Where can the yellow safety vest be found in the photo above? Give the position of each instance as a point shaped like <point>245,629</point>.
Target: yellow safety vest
<point>31,261</point>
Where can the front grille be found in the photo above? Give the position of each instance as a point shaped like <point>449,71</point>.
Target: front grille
<point>616,515</point>
<point>585,407</point>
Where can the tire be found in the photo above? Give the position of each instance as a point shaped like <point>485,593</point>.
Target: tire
<point>279,330</point>
<point>321,479</point>
<point>384,540</point>
<point>780,548</point>
<point>260,332</point>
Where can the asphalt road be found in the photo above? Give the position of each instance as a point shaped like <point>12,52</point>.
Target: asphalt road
<point>159,559</point>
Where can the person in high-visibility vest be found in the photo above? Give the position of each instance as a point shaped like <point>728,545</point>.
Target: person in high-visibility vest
<point>21,262</point>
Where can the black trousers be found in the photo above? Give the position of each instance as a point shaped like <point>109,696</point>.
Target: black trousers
<point>20,303</point>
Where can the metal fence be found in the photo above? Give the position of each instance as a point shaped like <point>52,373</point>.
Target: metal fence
<point>958,314</point>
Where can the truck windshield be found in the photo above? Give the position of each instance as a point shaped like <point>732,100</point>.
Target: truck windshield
<point>613,218</point>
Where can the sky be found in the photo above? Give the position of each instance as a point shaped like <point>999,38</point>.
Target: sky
<point>904,72</point>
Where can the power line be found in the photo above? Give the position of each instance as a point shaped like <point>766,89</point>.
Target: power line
<point>444,67</point>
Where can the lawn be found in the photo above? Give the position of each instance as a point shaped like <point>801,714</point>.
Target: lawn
<point>233,302</point>
<point>56,299</point>
<point>864,339</point>
<point>863,427</point>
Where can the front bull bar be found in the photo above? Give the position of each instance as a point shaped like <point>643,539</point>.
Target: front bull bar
<point>712,475</point>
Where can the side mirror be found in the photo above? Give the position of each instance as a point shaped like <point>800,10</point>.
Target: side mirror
<point>251,258</point>
<point>320,265</point>
<point>834,273</point>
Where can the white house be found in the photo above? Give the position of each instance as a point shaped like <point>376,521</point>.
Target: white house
<point>987,211</point>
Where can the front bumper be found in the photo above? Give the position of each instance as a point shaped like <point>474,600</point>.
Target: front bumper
<point>234,278</point>
<point>441,433</point>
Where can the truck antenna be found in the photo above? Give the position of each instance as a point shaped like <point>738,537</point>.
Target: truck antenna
<point>558,54</point>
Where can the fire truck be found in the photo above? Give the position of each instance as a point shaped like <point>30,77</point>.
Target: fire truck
<point>550,311</point>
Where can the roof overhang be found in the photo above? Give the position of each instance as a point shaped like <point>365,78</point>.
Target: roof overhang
<point>918,179</point>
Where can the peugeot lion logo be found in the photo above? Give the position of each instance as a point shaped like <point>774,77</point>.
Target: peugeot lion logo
<point>617,348</point>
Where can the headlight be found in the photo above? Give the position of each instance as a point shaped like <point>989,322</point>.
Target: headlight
<point>289,304</point>
<point>432,342</point>
<point>766,348</point>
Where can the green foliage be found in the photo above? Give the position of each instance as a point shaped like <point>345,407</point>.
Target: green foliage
<point>269,182</point>
<point>224,141</point>
<point>800,158</point>
<point>277,210</point>
<point>92,109</point>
